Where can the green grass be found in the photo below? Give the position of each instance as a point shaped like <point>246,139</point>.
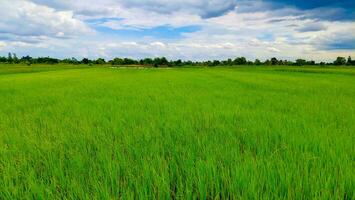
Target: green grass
<point>71,132</point>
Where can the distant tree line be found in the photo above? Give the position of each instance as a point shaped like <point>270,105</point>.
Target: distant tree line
<point>162,61</point>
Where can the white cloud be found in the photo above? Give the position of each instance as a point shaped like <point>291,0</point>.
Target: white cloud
<point>158,44</point>
<point>60,28</point>
<point>2,44</point>
<point>203,8</point>
<point>273,49</point>
<point>19,18</point>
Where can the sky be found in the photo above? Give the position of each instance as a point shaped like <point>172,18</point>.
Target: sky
<point>317,30</point>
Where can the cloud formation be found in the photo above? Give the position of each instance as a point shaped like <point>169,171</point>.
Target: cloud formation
<point>23,18</point>
<point>187,29</point>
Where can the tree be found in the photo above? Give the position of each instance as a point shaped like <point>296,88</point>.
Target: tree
<point>257,62</point>
<point>74,61</point>
<point>189,63</point>
<point>240,61</point>
<point>267,62</point>
<point>274,61</point>
<point>350,61</point>
<point>46,60</point>
<point>9,58</point>
<point>177,63</point>
<point>286,62</point>
<point>311,62</point>
<point>70,61</point>
<point>229,62</point>
<point>117,61</point>
<point>100,61</point>
<point>3,59</point>
<point>164,61</point>
<point>215,63</point>
<point>14,58</point>
<point>129,61</point>
<point>85,61</point>
<point>301,62</point>
<point>160,61</point>
<point>27,60</point>
<point>146,61</point>
<point>340,61</point>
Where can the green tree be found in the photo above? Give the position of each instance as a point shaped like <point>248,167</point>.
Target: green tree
<point>85,61</point>
<point>350,61</point>
<point>100,61</point>
<point>267,62</point>
<point>240,61</point>
<point>216,63</point>
<point>3,59</point>
<point>177,63</point>
<point>301,62</point>
<point>14,58</point>
<point>229,62</point>
<point>257,62</point>
<point>27,60</point>
<point>129,61</point>
<point>340,61</point>
<point>9,58</point>
<point>117,61</point>
<point>274,61</point>
<point>160,61</point>
<point>148,61</point>
<point>312,62</point>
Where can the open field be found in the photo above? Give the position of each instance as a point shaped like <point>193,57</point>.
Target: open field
<point>245,133</point>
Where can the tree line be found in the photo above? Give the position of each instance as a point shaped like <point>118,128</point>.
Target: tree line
<point>162,61</point>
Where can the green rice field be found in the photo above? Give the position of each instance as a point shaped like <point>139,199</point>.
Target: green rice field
<point>98,132</point>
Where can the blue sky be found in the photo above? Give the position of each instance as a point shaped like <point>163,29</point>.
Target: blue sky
<point>179,29</point>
